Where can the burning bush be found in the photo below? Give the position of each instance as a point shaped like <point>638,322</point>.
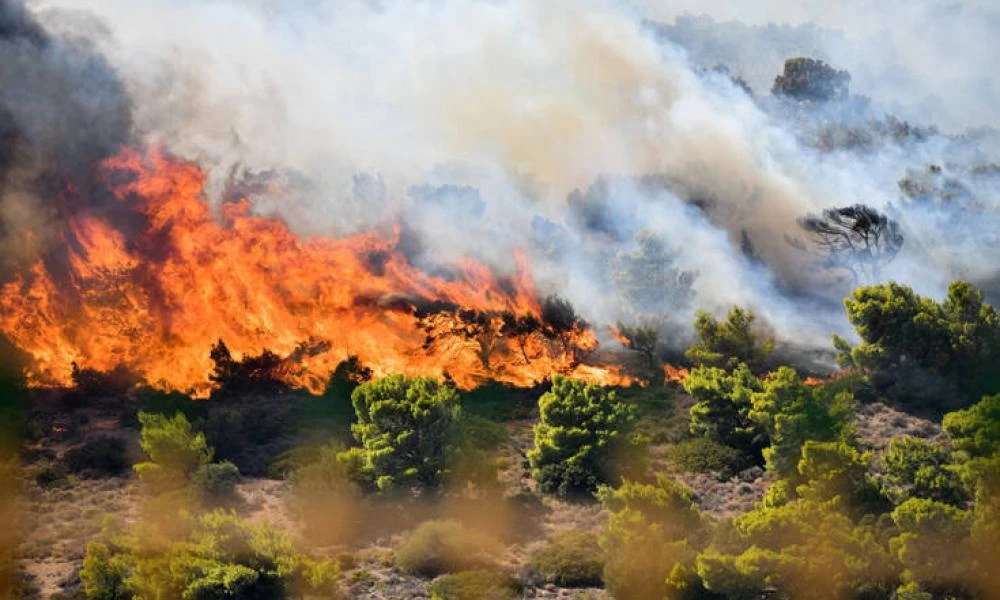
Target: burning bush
<point>252,373</point>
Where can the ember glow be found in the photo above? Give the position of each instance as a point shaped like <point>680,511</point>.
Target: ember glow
<point>156,299</point>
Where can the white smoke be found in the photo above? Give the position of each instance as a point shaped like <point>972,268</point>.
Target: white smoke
<point>525,102</point>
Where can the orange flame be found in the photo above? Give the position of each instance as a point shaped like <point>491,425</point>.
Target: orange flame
<point>157,299</point>
<point>675,374</point>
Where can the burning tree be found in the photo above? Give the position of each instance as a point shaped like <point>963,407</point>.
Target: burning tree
<point>521,329</point>
<point>481,328</point>
<point>641,338</point>
<point>857,238</point>
<point>251,373</point>
<point>561,323</point>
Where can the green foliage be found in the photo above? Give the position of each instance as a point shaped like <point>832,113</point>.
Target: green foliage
<point>926,528</point>
<point>650,540</point>
<point>479,584</point>
<point>803,549</point>
<point>571,559</point>
<point>103,574</point>
<point>976,430</point>
<point>923,352</point>
<point>729,343</point>
<point>216,482</point>
<point>722,411</point>
<point>175,452</point>
<point>221,556</point>
<point>404,426</point>
<point>916,468</point>
<point>837,472</point>
<point>791,412</point>
<point>154,401</point>
<point>437,547</point>
<point>498,401</point>
<point>703,455</point>
<point>581,429</point>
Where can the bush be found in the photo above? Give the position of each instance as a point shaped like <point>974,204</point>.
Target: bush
<point>916,468</point>
<point>474,585</point>
<point>175,452</point>
<point>582,427</point>
<point>931,354</point>
<point>728,343</point>
<point>722,411</point>
<point>437,547</point>
<point>791,412</point>
<point>571,559</point>
<point>323,494</point>
<point>220,556</point>
<point>650,539</point>
<point>51,475</point>
<point>216,482</point>
<point>404,428</point>
<point>702,455</point>
<point>101,455</point>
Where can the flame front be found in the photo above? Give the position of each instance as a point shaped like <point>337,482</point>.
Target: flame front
<point>155,299</point>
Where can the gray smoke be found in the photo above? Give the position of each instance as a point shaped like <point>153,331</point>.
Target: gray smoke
<point>62,109</point>
<point>567,128</point>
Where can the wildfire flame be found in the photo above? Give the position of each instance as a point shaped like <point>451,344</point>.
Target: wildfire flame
<point>157,298</point>
<point>675,374</point>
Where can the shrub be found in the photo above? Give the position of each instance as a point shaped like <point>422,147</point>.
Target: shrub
<point>926,528</point>
<point>51,475</point>
<point>728,343</point>
<point>437,547</point>
<point>702,455</point>
<point>221,556</point>
<point>216,482</point>
<point>791,412</point>
<point>922,352</point>
<point>571,559</point>
<point>103,575</point>
<point>175,452</point>
<point>101,455</point>
<point>722,411</point>
<point>976,430</point>
<point>801,549</point>
<point>581,429</point>
<point>650,539</point>
<point>404,428</point>
<point>324,494</point>
<point>916,468</point>
<point>474,585</point>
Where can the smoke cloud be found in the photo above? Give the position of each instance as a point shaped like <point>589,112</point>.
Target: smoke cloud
<point>562,128</point>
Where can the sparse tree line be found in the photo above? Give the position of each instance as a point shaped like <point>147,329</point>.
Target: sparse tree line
<point>919,519</point>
